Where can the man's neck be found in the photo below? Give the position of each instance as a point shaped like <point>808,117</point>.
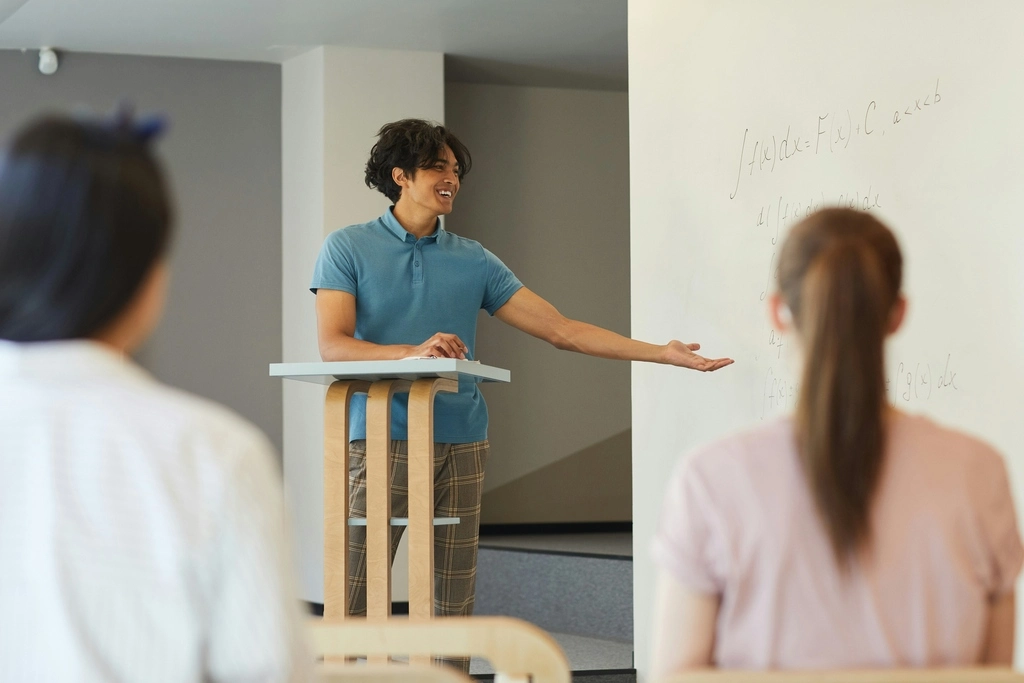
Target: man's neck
<point>418,223</point>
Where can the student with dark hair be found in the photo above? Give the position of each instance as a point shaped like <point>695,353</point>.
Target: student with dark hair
<point>850,535</point>
<point>401,286</point>
<point>141,527</point>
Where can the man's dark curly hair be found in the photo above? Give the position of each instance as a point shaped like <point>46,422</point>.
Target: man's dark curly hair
<point>410,144</point>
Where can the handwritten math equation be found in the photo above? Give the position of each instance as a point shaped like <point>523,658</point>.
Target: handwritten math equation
<point>907,383</point>
<point>828,133</point>
<point>779,393</point>
<point>777,215</point>
<point>920,381</point>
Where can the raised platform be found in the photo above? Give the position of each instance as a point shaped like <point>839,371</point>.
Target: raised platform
<point>578,587</point>
<point>610,545</point>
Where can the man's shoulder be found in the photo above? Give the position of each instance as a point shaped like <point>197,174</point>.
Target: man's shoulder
<point>459,243</point>
<point>358,232</point>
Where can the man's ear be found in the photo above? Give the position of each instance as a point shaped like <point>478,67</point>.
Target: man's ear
<point>398,175</point>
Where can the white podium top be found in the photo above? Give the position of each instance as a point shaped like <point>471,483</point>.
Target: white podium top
<point>373,370</point>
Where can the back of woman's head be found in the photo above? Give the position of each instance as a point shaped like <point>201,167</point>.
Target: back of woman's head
<point>84,216</point>
<point>840,274</point>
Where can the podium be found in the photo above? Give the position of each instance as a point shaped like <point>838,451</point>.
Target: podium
<point>423,379</point>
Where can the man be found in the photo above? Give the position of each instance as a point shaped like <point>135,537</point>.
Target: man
<point>402,286</point>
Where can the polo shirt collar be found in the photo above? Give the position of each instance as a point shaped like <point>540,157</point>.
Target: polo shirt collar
<point>392,224</point>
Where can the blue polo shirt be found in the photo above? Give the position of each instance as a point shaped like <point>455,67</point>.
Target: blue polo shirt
<point>406,291</point>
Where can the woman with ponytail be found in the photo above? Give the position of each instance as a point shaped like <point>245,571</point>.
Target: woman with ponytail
<point>849,535</point>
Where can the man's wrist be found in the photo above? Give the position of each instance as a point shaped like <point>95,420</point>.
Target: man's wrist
<point>400,351</point>
<point>660,353</point>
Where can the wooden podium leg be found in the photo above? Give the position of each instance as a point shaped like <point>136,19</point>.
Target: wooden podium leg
<point>336,405</point>
<point>421,497</point>
<point>378,496</point>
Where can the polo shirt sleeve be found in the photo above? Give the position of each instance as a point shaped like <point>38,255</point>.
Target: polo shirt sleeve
<point>335,267</point>
<point>500,283</point>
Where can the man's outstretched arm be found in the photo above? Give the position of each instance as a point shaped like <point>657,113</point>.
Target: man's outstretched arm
<point>530,313</point>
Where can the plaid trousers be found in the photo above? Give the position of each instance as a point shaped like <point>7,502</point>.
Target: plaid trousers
<point>458,486</point>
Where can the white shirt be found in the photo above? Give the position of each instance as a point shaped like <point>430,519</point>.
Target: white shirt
<point>141,529</point>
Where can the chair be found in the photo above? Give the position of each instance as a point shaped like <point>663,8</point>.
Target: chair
<point>516,649</point>
<point>388,673</point>
<point>943,675</point>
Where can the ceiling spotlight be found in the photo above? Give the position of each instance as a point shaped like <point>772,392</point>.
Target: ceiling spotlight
<point>47,61</point>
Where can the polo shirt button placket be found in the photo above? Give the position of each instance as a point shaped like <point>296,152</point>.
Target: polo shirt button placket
<point>417,277</point>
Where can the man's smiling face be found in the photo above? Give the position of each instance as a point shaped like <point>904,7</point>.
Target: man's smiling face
<point>433,188</point>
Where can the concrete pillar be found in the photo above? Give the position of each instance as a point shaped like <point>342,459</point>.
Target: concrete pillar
<point>333,101</point>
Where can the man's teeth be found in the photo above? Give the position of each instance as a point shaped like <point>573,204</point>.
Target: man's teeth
<point>445,193</point>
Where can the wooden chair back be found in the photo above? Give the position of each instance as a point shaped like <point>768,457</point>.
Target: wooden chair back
<point>332,672</point>
<point>515,649</point>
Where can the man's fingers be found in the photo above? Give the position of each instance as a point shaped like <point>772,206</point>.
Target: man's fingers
<point>693,347</point>
<point>718,364</point>
<point>447,349</point>
<point>454,347</point>
<point>441,345</point>
<point>459,344</point>
<point>458,347</point>
<point>710,364</point>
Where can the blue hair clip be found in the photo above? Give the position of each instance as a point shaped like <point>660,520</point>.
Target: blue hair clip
<point>149,128</point>
<point>143,130</point>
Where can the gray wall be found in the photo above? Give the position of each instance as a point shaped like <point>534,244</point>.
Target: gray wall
<point>549,194</point>
<point>223,152</point>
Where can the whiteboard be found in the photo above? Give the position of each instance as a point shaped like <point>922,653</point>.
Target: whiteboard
<point>745,115</point>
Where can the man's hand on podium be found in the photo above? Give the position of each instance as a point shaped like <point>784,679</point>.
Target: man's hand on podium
<point>441,345</point>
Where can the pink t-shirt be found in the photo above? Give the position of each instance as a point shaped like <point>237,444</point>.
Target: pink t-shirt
<point>739,521</point>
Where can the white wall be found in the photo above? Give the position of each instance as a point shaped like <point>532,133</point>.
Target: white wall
<point>222,154</point>
<point>548,194</point>
<point>333,102</point>
<point>914,109</point>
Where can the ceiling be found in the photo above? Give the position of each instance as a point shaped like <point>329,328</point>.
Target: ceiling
<point>556,43</point>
